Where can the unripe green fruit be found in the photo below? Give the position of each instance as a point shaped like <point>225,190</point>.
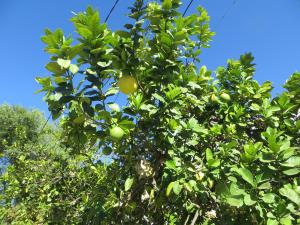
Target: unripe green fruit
<point>225,96</point>
<point>107,150</point>
<point>116,132</point>
<point>167,4</point>
<point>79,119</point>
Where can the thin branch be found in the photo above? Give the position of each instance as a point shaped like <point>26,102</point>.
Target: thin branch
<point>187,220</point>
<point>195,217</point>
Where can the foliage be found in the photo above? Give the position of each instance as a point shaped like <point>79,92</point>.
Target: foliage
<point>43,183</point>
<point>197,148</point>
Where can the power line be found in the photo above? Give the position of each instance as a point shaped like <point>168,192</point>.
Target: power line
<point>111,10</point>
<point>225,13</point>
<point>185,11</point>
<point>45,124</point>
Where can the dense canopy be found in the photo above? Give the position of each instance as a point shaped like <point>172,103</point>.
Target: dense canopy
<point>189,146</point>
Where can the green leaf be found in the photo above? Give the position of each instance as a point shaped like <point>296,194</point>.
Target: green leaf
<point>55,68</point>
<point>88,109</point>
<point>265,185</point>
<point>111,91</point>
<point>255,107</point>
<point>169,188</point>
<point>248,201</point>
<point>114,107</point>
<point>286,221</point>
<point>123,34</point>
<point>272,222</point>
<point>128,183</point>
<point>59,80</point>
<point>180,35</point>
<point>292,162</point>
<point>269,198</point>
<point>89,71</point>
<point>236,201</point>
<point>158,97</point>
<point>45,82</point>
<point>236,190</point>
<point>291,172</point>
<point>64,63</point>
<point>177,187</point>
<point>214,163</point>
<point>195,126</point>
<point>104,64</point>
<point>188,187</point>
<point>73,68</point>
<point>289,193</point>
<point>246,175</point>
<point>209,154</point>
<point>173,93</point>
<point>170,164</point>
<point>126,124</point>
<point>192,142</point>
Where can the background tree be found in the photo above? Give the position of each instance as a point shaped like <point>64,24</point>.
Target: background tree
<point>42,182</point>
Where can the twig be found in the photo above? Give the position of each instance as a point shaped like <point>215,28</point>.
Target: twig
<point>195,217</point>
<point>187,220</point>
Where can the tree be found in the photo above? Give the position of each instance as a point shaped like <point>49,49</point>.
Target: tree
<point>198,147</point>
<point>42,183</point>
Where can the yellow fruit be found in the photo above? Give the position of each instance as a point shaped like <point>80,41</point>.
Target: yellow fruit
<point>210,183</point>
<point>127,84</point>
<point>213,98</point>
<point>116,132</point>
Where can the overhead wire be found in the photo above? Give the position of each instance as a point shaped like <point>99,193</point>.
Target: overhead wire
<point>111,10</point>
<point>226,13</point>
<point>187,8</point>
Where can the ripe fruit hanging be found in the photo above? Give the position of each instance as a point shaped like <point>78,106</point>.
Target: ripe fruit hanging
<point>116,132</point>
<point>213,98</point>
<point>127,84</point>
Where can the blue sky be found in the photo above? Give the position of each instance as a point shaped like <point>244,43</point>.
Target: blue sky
<point>269,29</point>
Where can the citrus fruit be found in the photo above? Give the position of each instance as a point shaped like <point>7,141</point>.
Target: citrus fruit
<point>213,98</point>
<point>79,119</point>
<point>127,84</point>
<point>167,4</point>
<point>225,96</point>
<point>116,132</point>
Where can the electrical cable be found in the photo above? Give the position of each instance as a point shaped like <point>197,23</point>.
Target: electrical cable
<point>185,11</point>
<point>111,10</point>
<point>226,13</point>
